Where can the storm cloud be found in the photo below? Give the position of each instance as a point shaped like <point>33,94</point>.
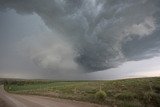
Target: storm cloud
<point>90,35</point>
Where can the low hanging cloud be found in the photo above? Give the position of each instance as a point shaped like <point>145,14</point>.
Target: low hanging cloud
<point>52,53</point>
<point>90,35</point>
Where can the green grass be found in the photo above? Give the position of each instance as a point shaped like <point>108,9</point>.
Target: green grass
<point>139,92</point>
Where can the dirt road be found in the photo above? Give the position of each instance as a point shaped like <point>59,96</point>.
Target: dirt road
<point>14,100</point>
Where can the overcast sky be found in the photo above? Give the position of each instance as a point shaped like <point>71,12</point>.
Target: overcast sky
<point>79,39</point>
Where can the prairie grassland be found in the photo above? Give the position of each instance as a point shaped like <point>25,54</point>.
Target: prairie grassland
<point>139,92</point>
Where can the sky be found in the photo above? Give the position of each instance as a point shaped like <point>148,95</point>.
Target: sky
<point>79,39</point>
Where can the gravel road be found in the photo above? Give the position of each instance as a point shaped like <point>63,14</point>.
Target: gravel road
<point>14,100</point>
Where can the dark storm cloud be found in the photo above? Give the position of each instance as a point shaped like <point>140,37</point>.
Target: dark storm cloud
<point>92,34</point>
<point>139,49</point>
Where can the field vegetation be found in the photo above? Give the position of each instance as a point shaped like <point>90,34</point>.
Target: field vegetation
<point>139,92</point>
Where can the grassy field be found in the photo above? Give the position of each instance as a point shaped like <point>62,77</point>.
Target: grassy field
<point>139,92</point>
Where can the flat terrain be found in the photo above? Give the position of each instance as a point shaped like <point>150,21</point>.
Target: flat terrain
<point>14,100</point>
<point>138,92</point>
